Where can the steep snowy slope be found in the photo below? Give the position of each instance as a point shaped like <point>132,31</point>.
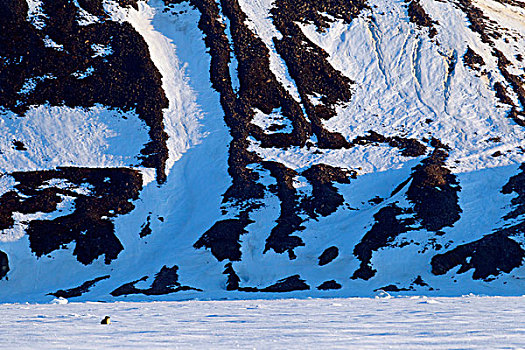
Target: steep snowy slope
<point>238,149</point>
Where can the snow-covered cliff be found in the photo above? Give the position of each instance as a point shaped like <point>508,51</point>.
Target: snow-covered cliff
<point>259,148</point>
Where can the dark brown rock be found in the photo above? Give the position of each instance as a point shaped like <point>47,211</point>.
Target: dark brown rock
<point>223,239</point>
<point>77,291</point>
<point>392,288</point>
<point>165,282</point>
<point>417,15</point>
<point>288,284</point>
<point>329,285</point>
<point>145,230</point>
<point>233,280</point>
<point>386,228</point>
<point>328,256</point>
<point>488,256</point>
<point>4,264</point>
<point>111,191</point>
<point>473,60</point>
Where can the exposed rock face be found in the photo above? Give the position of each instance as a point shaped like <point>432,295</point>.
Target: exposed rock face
<point>495,253</point>
<point>329,285</point>
<point>78,291</point>
<point>386,228</point>
<point>489,256</point>
<point>418,16</point>
<point>392,288</point>
<point>165,282</point>
<point>4,264</point>
<point>111,58</point>
<point>408,147</point>
<point>146,228</point>
<point>434,193</point>
<point>108,194</point>
<point>288,284</point>
<point>233,280</point>
<point>473,60</point>
<point>223,239</point>
<point>328,256</point>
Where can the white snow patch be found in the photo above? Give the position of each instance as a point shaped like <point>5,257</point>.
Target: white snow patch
<point>35,15</point>
<point>275,118</point>
<point>366,158</point>
<point>101,50</point>
<point>63,136</point>
<point>48,42</point>
<point>82,75</point>
<point>182,116</point>
<point>31,83</point>
<point>260,22</point>
<point>85,18</point>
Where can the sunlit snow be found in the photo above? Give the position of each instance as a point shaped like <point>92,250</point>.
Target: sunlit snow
<point>381,323</point>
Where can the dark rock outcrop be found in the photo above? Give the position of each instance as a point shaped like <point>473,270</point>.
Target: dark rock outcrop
<point>78,291</point>
<point>4,264</point>
<point>418,281</point>
<point>325,198</point>
<point>434,192</point>
<point>488,256</point>
<point>408,147</point>
<point>145,229</point>
<point>109,194</point>
<point>386,228</point>
<point>329,285</point>
<point>392,288</point>
<point>328,255</point>
<point>19,145</point>
<point>165,282</point>
<point>233,279</point>
<point>473,60</point>
<point>417,15</point>
<point>223,239</point>
<point>288,284</point>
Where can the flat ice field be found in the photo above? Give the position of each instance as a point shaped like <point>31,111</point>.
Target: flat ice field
<point>409,323</point>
